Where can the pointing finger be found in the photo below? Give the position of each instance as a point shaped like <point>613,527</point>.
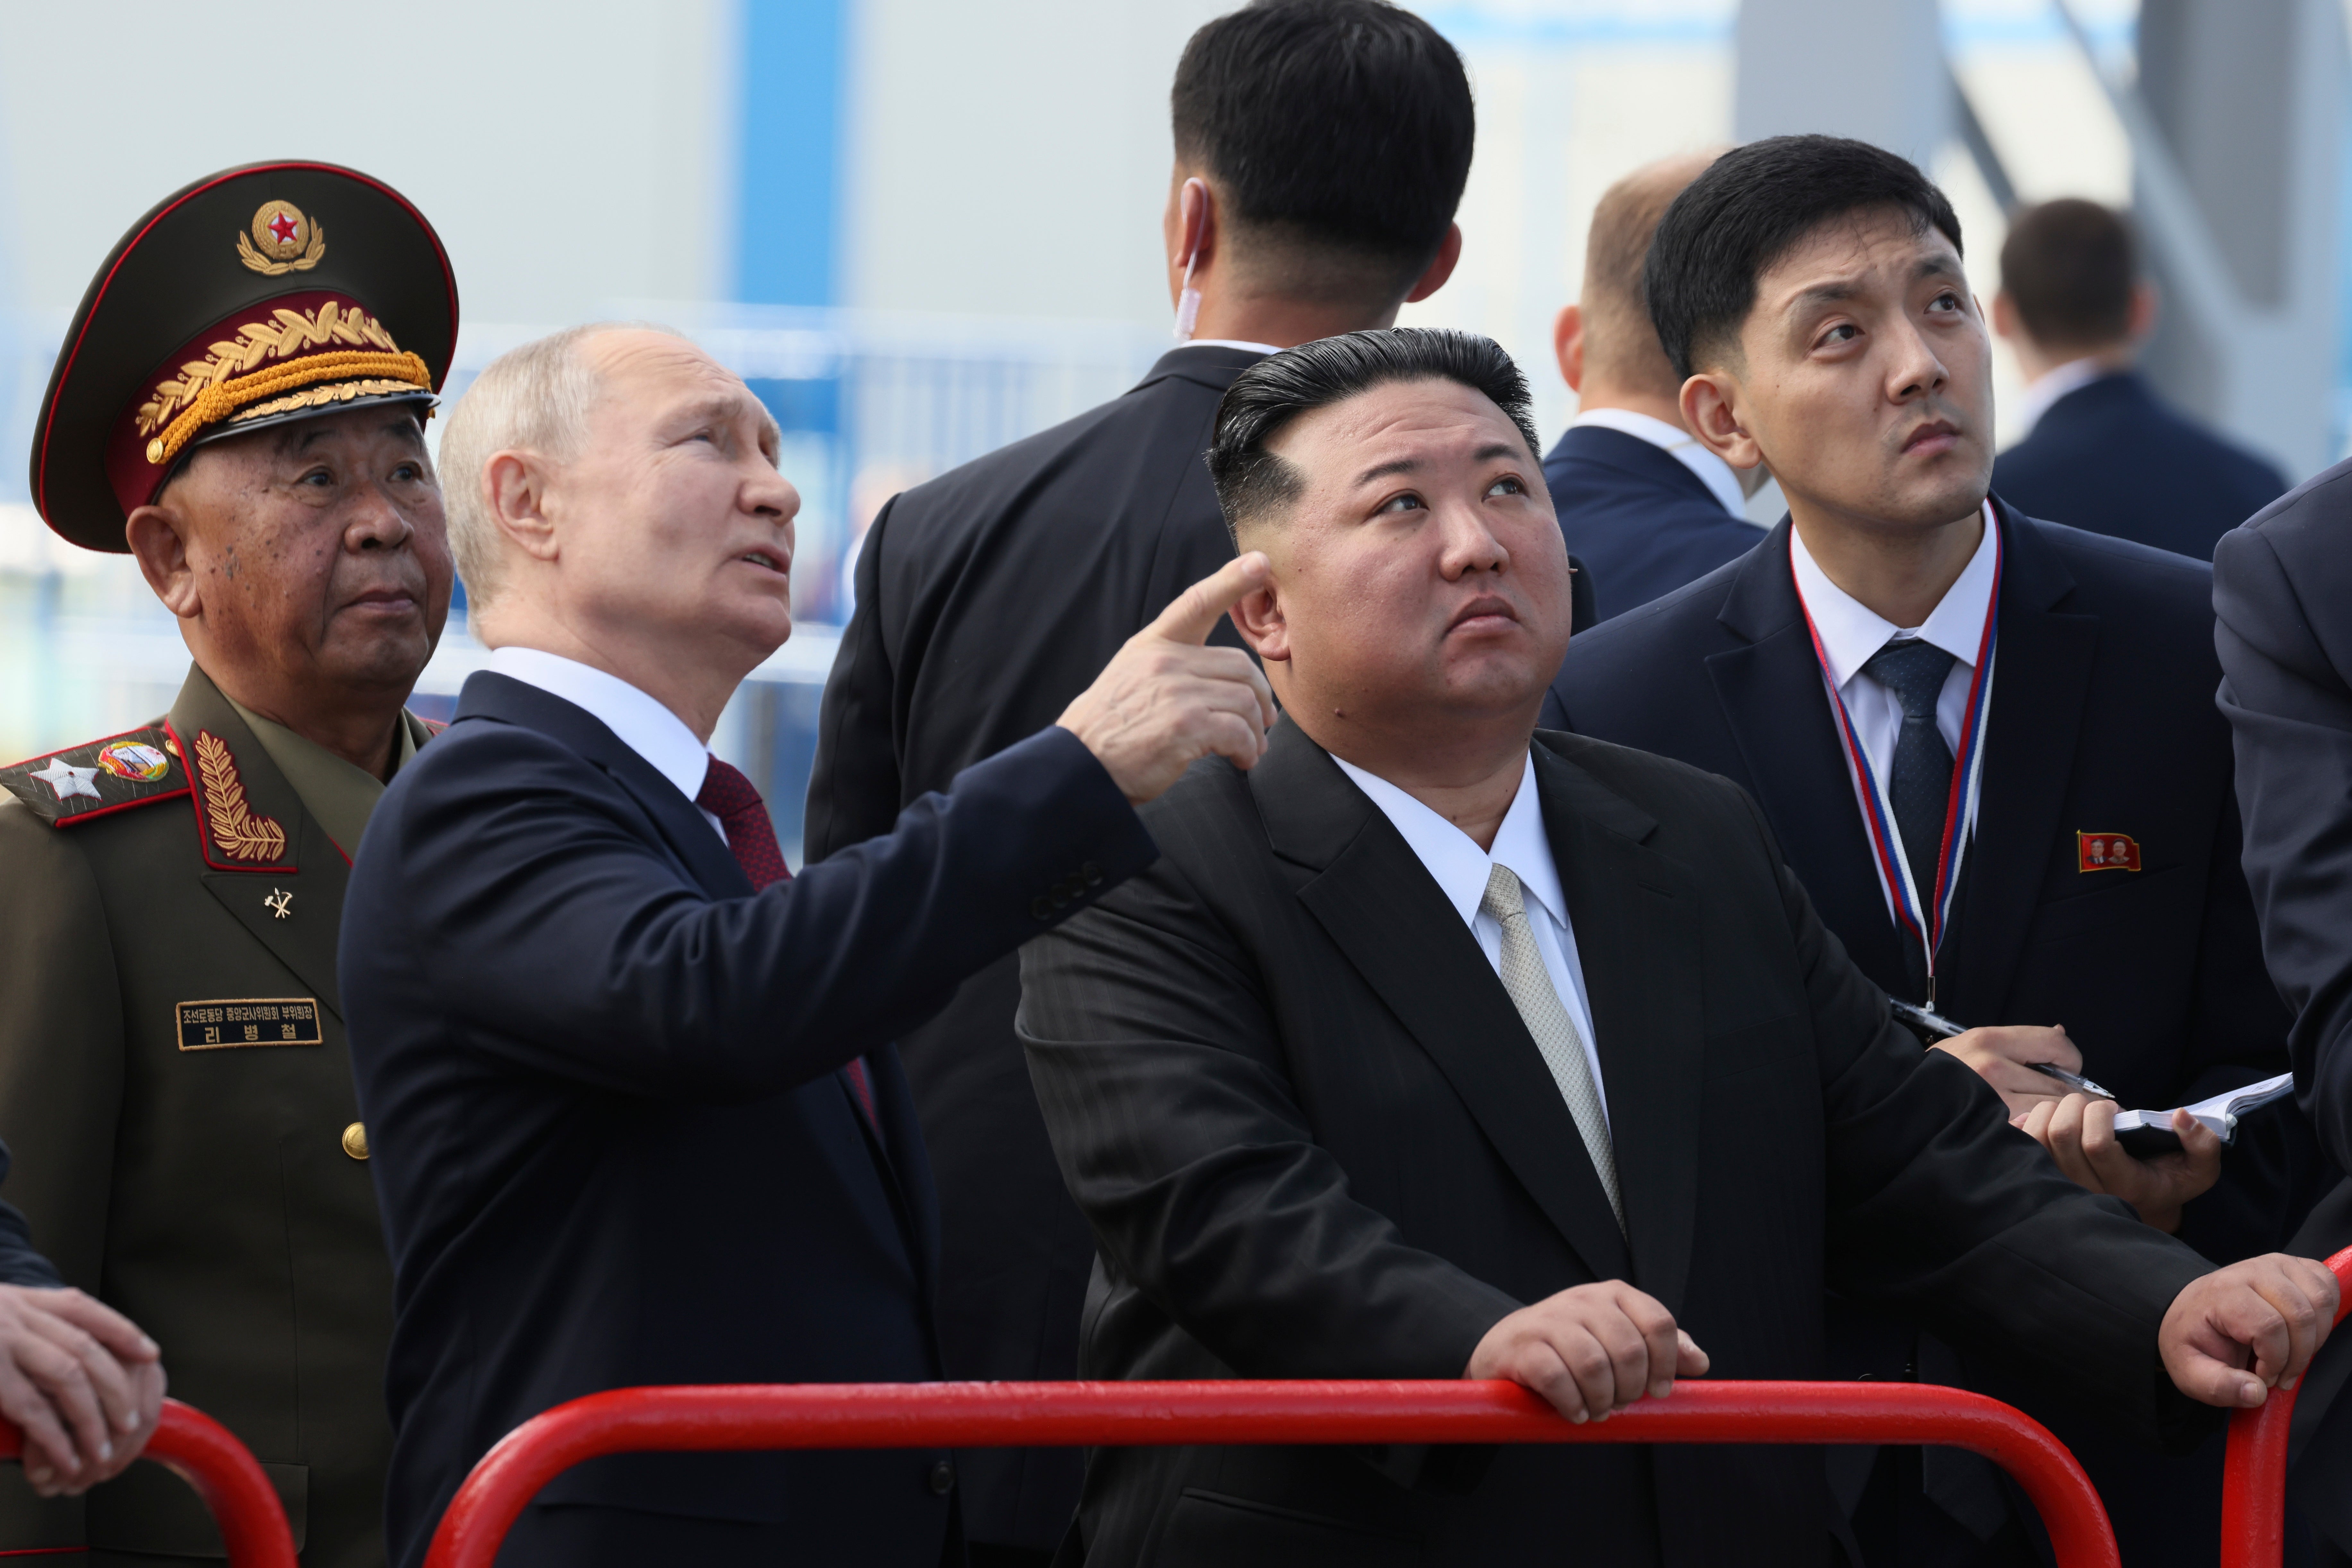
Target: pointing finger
<point>1197,610</point>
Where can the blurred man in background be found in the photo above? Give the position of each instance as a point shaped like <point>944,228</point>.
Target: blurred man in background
<point>1321,147</point>
<point>1941,705</point>
<point>1645,505</point>
<point>240,404</point>
<point>2102,450</point>
<point>2282,594</point>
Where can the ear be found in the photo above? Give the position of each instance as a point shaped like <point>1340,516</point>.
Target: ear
<point>1189,229</point>
<point>2140,324</point>
<point>157,535</point>
<point>1258,617</point>
<point>1710,409</point>
<point>2005,320</point>
<point>1567,343</point>
<point>514,487</point>
<point>1433,276</point>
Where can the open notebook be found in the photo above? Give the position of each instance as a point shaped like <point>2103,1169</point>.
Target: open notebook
<point>2146,1132</point>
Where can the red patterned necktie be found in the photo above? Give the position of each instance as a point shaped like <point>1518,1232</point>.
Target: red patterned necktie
<point>735,801</point>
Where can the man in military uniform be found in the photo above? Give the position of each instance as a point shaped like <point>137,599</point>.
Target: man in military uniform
<point>240,404</point>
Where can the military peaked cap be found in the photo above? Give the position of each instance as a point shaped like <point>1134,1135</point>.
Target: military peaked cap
<point>256,296</point>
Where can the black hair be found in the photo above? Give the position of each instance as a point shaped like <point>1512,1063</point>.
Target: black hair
<point>1269,394</point>
<point>1343,125</point>
<point>2070,266</point>
<point>1752,207</point>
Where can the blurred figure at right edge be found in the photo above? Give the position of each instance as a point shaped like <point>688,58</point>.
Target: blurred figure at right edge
<point>2102,450</point>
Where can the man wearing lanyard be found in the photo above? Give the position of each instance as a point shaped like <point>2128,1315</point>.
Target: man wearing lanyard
<point>1942,706</point>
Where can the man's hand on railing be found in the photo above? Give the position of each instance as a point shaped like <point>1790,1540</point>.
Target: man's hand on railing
<point>2237,1333</point>
<point>81,1381</point>
<point>1591,1350</point>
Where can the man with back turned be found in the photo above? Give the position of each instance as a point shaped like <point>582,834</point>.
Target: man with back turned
<point>1321,147</point>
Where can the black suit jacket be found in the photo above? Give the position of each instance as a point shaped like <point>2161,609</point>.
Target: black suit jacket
<point>2101,723</point>
<point>1639,521</point>
<point>987,599</point>
<point>2113,457</point>
<point>2282,596</point>
<point>1315,1140</point>
<point>608,1124</point>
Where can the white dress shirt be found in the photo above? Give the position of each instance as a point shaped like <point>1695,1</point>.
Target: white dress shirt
<point>1720,477</point>
<point>642,724</point>
<point>1461,870</point>
<point>1228,344</point>
<point>2052,384</point>
<point>1850,633</point>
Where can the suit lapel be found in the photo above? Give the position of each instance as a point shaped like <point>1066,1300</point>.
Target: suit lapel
<point>2041,677</point>
<point>1638,947</point>
<point>1380,905</point>
<point>1772,699</point>
<point>268,862</point>
<point>488,695</point>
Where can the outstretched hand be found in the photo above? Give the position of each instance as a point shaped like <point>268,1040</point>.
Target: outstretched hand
<point>2237,1333</point>
<point>1164,700</point>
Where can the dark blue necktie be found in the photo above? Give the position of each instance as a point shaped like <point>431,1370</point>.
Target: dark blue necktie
<point>1921,775</point>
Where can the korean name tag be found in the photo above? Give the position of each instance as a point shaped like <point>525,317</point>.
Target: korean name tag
<point>260,1021</point>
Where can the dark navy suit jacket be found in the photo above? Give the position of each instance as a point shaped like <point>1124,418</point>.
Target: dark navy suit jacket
<point>2282,594</point>
<point>2113,458</point>
<point>1639,521</point>
<point>2102,721</point>
<point>610,1130</point>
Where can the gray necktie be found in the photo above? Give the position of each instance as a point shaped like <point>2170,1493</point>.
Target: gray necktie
<point>1547,1020</point>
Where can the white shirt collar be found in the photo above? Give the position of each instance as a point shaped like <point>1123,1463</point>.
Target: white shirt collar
<point>642,724</point>
<point>2052,384</point>
<point>1453,857</point>
<point>1228,344</point>
<point>1720,477</point>
<point>1851,632</point>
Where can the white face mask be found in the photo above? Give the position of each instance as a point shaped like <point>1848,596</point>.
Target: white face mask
<point>1187,300</point>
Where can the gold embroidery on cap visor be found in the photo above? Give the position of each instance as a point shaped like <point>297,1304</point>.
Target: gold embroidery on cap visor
<point>286,241</point>
<point>230,379</point>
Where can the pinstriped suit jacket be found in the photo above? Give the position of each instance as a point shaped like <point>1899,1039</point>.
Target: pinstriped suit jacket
<point>1314,1140</point>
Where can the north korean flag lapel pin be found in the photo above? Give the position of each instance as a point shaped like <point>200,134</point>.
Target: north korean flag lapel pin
<point>2106,852</point>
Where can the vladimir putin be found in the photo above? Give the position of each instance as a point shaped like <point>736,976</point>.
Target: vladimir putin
<point>635,1112</point>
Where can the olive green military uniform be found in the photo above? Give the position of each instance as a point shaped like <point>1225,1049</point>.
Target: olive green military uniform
<point>174,1083</point>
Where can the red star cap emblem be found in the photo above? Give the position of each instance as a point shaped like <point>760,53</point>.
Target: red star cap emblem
<point>285,227</point>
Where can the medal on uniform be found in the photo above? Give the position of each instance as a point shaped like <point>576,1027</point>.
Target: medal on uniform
<point>1921,912</point>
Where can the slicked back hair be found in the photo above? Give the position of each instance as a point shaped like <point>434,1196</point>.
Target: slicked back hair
<point>2070,266</point>
<point>1264,399</point>
<point>1752,207</point>
<point>1340,133</point>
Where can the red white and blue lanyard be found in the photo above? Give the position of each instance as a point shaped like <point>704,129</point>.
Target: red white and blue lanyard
<point>1923,918</point>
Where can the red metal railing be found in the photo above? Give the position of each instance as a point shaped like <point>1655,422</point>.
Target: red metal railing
<point>224,1474</point>
<point>1035,1415</point>
<point>2253,1475</point>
